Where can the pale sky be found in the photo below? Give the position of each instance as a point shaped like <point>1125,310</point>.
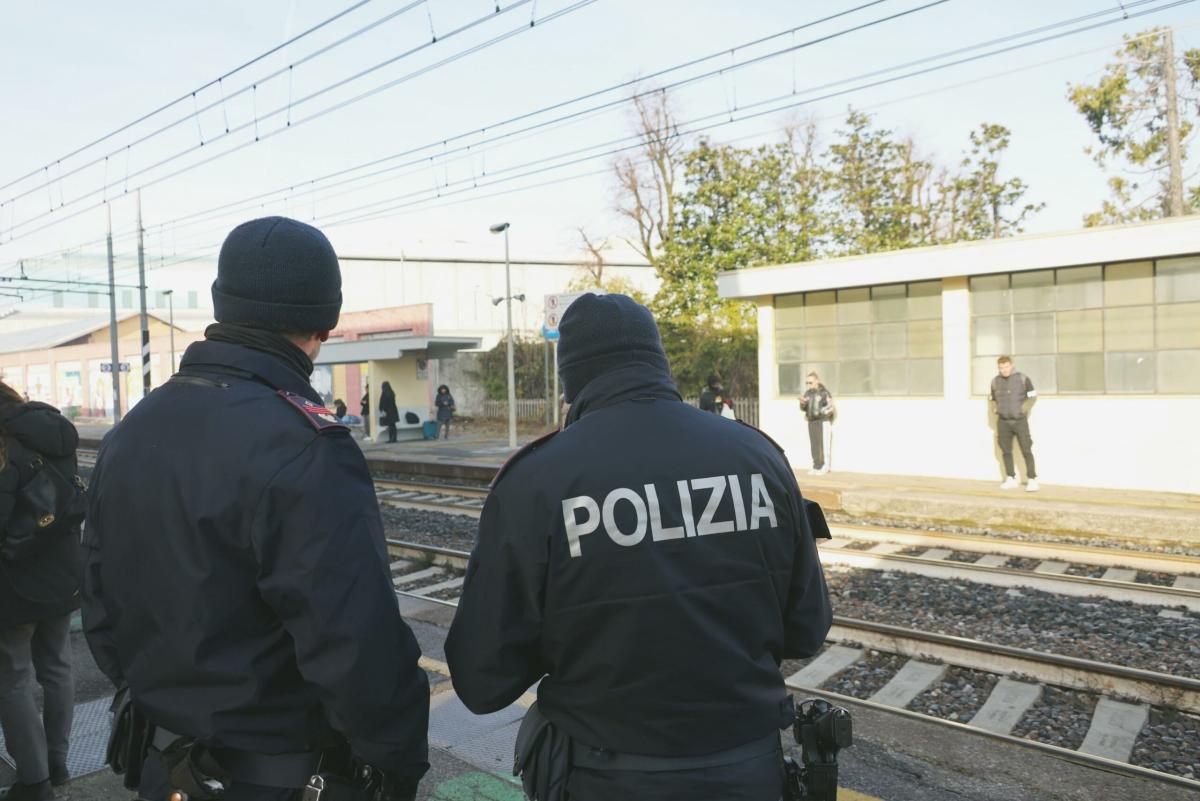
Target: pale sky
<point>70,73</point>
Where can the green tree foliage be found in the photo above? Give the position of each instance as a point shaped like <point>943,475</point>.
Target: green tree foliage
<point>529,361</point>
<point>1128,112</point>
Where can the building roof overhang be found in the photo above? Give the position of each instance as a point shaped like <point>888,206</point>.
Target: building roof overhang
<point>1152,240</point>
<point>384,348</point>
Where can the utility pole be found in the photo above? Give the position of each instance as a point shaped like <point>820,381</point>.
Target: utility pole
<point>546,377</point>
<point>142,290</point>
<point>112,326</point>
<point>1175,185</point>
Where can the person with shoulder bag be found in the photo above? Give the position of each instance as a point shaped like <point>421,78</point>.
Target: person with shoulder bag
<point>41,507</point>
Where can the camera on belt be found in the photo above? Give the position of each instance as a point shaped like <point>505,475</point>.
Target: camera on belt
<point>821,730</point>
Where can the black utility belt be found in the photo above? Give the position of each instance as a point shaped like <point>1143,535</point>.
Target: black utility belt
<point>598,759</point>
<point>268,770</point>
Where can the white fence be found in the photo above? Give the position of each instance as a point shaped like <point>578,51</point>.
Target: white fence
<point>535,409</point>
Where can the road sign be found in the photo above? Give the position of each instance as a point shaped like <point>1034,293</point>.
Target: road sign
<point>556,306</point>
<point>106,367</point>
<point>550,335</point>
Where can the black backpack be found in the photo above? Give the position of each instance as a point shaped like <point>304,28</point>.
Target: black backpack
<point>48,504</point>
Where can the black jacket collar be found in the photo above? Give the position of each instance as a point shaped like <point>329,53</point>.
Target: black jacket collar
<point>224,357</point>
<point>635,380</point>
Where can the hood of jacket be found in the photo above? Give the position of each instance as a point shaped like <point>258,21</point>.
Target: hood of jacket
<point>40,427</point>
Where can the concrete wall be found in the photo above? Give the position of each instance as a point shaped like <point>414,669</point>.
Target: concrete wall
<point>411,392</point>
<point>1124,442</point>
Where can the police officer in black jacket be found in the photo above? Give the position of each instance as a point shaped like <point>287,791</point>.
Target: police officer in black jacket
<point>236,576</point>
<point>652,564</point>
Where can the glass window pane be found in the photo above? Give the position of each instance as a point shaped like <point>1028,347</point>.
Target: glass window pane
<point>889,303</point>
<point>983,369</point>
<point>789,311</point>
<point>1178,280</point>
<point>1129,328</point>
<point>820,308</point>
<point>925,377</point>
<point>989,294</point>
<point>1033,333</point>
<point>1178,325</point>
<point>853,342</point>
<point>992,336</point>
<point>891,377</point>
<point>854,305</point>
<point>821,343</point>
<point>827,372</point>
<point>1179,371</point>
<point>1080,288</point>
<point>791,380</point>
<point>925,300</point>
<point>1033,291</point>
<point>854,378</point>
<point>1041,372</point>
<point>1129,284</point>
<point>925,338</point>
<point>1080,372</point>
<point>789,345</point>
<point>1080,331</point>
<point>889,340</point>
<point>1129,372</point>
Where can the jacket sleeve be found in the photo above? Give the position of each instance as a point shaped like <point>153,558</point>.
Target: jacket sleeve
<point>323,568</point>
<point>9,479</point>
<point>808,615</point>
<point>494,644</point>
<point>97,623</point>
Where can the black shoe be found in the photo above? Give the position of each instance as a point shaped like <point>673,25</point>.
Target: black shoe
<point>59,775</point>
<point>28,792</point>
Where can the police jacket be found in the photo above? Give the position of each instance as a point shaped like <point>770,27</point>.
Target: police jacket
<point>654,563</point>
<point>1009,395</point>
<point>44,583</point>
<point>236,573</point>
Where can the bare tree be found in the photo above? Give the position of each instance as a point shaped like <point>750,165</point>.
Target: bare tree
<point>593,261</point>
<point>647,179</point>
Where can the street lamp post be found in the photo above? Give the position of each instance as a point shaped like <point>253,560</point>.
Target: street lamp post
<point>170,293</point>
<point>512,389</point>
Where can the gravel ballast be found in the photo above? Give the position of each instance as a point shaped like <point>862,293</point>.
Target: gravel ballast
<point>1090,628</point>
<point>866,676</point>
<point>957,696</point>
<point>1170,742</point>
<point>429,528</point>
<point>1060,717</point>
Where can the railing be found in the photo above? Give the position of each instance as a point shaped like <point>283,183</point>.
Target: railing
<point>535,409</point>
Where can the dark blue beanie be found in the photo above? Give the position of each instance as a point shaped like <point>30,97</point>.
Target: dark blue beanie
<point>599,333</point>
<point>278,274</point>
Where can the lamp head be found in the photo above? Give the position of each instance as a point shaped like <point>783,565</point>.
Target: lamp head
<point>499,228</point>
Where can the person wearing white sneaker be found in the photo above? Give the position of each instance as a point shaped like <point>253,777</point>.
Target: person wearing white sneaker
<point>1010,393</point>
<point>817,405</point>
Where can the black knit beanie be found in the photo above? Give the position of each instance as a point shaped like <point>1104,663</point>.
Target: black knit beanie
<point>278,274</point>
<point>601,332</point>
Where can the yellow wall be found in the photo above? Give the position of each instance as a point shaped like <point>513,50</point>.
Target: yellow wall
<point>411,393</point>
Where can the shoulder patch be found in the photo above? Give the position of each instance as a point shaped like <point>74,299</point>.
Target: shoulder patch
<point>525,450</point>
<point>322,419</point>
<point>764,435</point>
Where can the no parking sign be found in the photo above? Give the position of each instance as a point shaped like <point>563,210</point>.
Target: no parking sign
<point>556,306</point>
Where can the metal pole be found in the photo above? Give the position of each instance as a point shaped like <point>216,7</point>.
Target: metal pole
<point>142,292</point>
<point>556,404</point>
<point>546,378</point>
<point>512,388</point>
<point>170,293</point>
<point>112,326</point>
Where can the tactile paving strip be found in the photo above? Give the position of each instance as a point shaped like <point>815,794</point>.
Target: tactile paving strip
<point>89,738</point>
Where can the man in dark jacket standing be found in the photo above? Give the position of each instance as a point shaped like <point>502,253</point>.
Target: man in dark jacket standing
<point>236,574</point>
<point>39,589</point>
<point>652,564</point>
<point>712,397</point>
<point>817,404</point>
<point>1010,391</point>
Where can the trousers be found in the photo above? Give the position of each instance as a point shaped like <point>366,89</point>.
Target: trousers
<point>40,650</point>
<point>758,779</point>
<point>819,434</point>
<point>1019,428</point>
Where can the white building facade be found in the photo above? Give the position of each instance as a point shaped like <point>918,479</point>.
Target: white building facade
<point>1104,321</point>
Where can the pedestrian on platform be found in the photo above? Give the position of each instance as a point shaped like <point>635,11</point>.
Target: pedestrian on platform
<point>41,506</point>
<point>712,397</point>
<point>236,578</point>
<point>445,409</point>
<point>1011,395</point>
<point>339,409</point>
<point>657,650</point>
<point>817,403</point>
<point>389,414</point>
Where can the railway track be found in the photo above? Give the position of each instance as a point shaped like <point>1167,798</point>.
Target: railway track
<point>1126,694</point>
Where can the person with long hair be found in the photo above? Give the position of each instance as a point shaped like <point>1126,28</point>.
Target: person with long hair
<point>39,589</point>
<point>445,410</point>
<point>389,414</point>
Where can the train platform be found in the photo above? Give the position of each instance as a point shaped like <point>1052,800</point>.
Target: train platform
<point>1116,516</point>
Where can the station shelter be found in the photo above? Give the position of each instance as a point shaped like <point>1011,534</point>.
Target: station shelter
<point>61,358</point>
<point>396,345</point>
<point>1104,321</point>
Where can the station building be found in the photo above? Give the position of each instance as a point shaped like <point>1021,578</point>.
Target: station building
<point>1104,321</point>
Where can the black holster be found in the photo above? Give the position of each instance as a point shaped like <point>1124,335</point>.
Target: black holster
<point>542,757</point>
<point>129,740</point>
